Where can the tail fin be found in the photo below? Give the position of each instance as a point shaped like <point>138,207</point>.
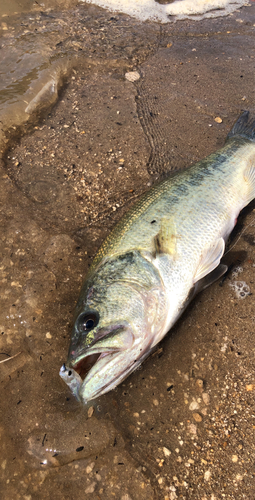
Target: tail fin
<point>244,127</point>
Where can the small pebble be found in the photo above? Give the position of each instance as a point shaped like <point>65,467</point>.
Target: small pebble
<point>172,494</point>
<point>166,452</point>
<point>90,488</point>
<point>90,411</point>
<point>197,417</point>
<point>199,384</point>
<point>192,428</point>
<point>155,402</point>
<point>234,458</point>
<point>250,387</point>
<point>90,467</point>
<point>132,76</point>
<point>239,477</point>
<point>218,119</point>
<point>206,398</point>
<point>194,406</point>
<point>207,475</point>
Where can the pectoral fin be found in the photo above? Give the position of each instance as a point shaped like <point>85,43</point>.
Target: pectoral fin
<point>249,177</point>
<point>210,260</point>
<point>210,278</point>
<point>165,240</point>
<point>205,282</point>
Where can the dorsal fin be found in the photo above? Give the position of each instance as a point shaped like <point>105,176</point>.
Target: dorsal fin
<point>244,127</point>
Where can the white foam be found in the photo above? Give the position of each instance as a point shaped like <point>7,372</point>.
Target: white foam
<point>180,9</point>
<point>203,8</point>
<point>236,271</point>
<point>141,9</point>
<point>241,289</point>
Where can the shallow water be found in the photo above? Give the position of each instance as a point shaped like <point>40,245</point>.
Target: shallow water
<point>183,425</point>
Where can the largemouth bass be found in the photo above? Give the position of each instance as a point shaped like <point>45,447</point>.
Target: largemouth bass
<point>165,250</point>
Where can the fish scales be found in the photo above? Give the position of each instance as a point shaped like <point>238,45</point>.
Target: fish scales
<point>165,250</point>
<point>135,228</point>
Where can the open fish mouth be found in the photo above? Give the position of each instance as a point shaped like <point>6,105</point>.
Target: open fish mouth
<point>85,372</point>
<point>85,364</point>
<point>89,361</point>
<point>96,368</point>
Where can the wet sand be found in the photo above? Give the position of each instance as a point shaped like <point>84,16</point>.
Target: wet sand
<point>182,426</point>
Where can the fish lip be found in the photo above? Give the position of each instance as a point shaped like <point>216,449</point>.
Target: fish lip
<point>91,352</point>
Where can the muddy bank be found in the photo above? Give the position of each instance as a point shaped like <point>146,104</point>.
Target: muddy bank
<point>183,425</point>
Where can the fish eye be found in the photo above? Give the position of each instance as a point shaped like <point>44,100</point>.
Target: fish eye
<point>87,321</point>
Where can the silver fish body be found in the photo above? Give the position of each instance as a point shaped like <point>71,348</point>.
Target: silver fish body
<point>161,253</point>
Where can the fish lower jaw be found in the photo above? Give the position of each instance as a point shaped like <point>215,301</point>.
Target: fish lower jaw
<point>107,373</point>
<point>94,384</point>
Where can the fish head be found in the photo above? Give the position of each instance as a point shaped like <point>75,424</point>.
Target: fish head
<point>117,317</point>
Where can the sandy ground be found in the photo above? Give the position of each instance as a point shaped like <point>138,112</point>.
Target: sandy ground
<point>181,427</point>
